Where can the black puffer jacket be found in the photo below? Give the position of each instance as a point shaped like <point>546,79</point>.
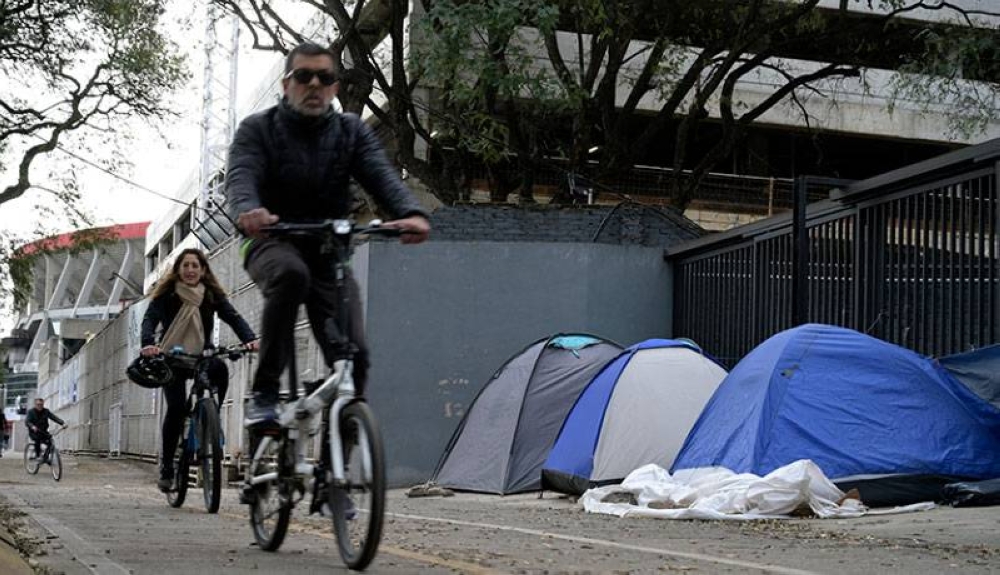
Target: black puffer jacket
<point>299,167</point>
<point>163,310</point>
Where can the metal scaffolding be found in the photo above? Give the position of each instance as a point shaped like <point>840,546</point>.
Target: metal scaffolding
<point>218,124</point>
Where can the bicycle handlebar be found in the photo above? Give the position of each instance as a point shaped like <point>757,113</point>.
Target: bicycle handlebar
<point>233,352</point>
<point>336,227</point>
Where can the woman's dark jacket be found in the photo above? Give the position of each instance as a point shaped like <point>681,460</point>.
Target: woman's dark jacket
<point>163,310</point>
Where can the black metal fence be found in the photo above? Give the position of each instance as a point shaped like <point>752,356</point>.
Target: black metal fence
<point>910,257</point>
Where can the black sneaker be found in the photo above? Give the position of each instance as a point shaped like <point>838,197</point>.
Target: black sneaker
<point>166,482</point>
<point>260,412</point>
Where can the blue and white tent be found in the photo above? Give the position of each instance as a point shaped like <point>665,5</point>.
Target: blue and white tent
<point>637,410</point>
<point>872,415</point>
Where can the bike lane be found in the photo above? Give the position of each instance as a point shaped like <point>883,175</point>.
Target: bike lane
<point>106,516</point>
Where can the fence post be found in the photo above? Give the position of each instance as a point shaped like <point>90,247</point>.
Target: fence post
<point>800,253</point>
<point>995,296</point>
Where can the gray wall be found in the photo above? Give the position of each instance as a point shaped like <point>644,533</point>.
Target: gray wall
<point>443,316</point>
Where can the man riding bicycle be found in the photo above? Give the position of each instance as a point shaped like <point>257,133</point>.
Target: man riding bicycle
<point>294,162</point>
<point>37,421</point>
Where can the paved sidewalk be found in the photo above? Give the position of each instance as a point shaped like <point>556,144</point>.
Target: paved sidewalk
<point>107,517</point>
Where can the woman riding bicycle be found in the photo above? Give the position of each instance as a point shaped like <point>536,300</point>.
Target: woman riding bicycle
<point>185,303</point>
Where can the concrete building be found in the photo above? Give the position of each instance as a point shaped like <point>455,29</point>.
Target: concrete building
<point>80,281</point>
<point>856,129</point>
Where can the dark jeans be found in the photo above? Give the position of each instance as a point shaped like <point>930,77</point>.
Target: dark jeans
<point>39,438</point>
<point>175,393</point>
<point>290,274</point>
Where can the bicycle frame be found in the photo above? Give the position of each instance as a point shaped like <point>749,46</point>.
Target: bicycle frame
<point>280,468</point>
<point>299,420</point>
<point>200,388</point>
<point>49,441</point>
<point>199,391</point>
<point>49,446</point>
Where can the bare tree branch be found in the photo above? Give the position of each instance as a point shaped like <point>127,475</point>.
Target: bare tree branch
<point>643,82</point>
<point>276,44</point>
<point>299,38</point>
<point>74,121</point>
<point>940,5</point>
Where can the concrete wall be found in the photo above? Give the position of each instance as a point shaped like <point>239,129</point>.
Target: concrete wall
<point>441,318</point>
<point>86,389</point>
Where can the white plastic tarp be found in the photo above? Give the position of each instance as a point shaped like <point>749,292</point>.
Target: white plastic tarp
<point>717,493</point>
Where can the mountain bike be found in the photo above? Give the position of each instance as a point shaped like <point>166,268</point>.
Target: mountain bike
<point>347,481</point>
<point>201,446</point>
<point>50,455</point>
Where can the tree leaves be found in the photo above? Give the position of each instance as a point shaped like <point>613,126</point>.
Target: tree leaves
<point>73,68</point>
<point>73,64</point>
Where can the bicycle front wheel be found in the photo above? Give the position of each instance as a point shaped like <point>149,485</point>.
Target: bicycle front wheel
<point>359,504</point>
<point>271,497</point>
<point>55,461</point>
<point>30,465</point>
<point>210,454</point>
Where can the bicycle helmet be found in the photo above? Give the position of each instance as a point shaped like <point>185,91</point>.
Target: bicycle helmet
<point>150,372</point>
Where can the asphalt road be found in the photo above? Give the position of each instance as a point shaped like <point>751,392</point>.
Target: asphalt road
<point>106,516</point>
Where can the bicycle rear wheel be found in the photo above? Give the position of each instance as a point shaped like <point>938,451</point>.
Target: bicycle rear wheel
<point>55,461</point>
<point>30,465</point>
<point>182,466</point>
<point>359,505</point>
<point>271,499</point>
<point>210,454</point>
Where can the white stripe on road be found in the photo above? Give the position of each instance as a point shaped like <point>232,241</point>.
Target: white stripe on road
<point>78,547</point>
<point>766,567</point>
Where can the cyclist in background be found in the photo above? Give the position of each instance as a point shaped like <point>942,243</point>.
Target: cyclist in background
<point>37,421</point>
<point>294,162</point>
<point>185,302</point>
<point>3,431</point>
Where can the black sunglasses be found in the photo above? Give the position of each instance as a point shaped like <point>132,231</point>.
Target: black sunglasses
<point>303,76</point>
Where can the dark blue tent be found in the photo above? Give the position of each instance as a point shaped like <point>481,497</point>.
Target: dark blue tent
<point>979,370</point>
<point>872,415</point>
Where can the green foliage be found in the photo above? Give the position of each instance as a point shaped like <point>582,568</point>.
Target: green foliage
<point>958,75</point>
<point>91,68</point>
<point>524,83</point>
<point>484,57</point>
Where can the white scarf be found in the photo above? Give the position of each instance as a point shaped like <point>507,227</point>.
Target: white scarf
<point>187,330</point>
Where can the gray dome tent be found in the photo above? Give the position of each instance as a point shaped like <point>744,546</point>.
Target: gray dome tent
<point>505,436</point>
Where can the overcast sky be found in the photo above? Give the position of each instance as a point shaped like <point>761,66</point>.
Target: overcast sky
<point>161,164</point>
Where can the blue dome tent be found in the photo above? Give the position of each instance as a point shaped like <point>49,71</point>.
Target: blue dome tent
<point>637,410</point>
<point>872,415</point>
